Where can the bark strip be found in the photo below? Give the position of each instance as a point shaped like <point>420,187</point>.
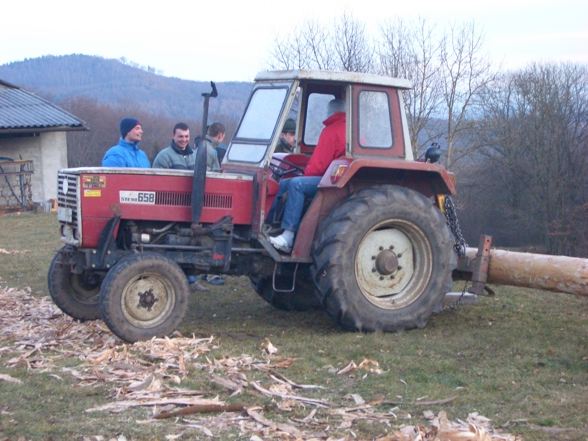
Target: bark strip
<point>202,408</point>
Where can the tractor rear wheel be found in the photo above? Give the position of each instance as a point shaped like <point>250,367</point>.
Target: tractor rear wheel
<point>383,260</point>
<point>74,294</point>
<point>144,295</point>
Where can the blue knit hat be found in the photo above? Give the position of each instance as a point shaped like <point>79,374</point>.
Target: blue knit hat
<point>126,125</point>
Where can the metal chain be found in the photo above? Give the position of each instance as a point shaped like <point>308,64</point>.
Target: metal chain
<point>460,244</point>
<point>457,302</point>
<point>453,224</point>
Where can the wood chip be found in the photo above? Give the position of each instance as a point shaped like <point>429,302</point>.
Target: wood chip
<point>9,379</point>
<point>319,403</point>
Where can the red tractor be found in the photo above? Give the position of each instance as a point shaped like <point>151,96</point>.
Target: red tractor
<point>373,247</point>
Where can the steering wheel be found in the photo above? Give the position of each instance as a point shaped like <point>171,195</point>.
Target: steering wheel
<point>280,170</point>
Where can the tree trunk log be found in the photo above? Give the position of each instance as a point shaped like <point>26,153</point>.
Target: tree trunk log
<point>551,273</point>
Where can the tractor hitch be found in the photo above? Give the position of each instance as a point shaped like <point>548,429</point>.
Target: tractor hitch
<point>476,269</point>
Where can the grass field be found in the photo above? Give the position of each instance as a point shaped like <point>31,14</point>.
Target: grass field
<point>519,358</point>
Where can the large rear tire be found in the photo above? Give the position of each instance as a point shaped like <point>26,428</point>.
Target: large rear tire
<point>74,294</point>
<point>383,260</point>
<point>302,298</point>
<point>144,295</point>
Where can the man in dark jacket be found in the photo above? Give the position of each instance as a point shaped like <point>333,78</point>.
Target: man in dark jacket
<point>214,137</point>
<point>287,138</point>
<point>330,146</point>
<point>126,153</point>
<point>179,155</point>
<point>215,133</point>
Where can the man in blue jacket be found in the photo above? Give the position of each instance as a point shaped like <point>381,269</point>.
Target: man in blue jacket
<point>127,153</point>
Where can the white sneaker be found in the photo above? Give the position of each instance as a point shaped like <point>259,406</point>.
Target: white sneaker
<point>281,244</point>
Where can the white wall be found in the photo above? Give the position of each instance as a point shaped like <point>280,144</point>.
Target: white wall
<point>48,150</point>
<point>53,157</point>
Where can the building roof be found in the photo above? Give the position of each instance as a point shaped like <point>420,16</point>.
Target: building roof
<point>22,111</point>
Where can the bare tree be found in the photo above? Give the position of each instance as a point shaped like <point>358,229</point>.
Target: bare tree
<point>87,148</point>
<point>466,71</point>
<point>448,71</point>
<point>316,40</point>
<point>343,45</point>
<point>536,132</point>
<point>306,46</point>
<point>352,44</point>
<point>412,51</point>
<point>446,67</point>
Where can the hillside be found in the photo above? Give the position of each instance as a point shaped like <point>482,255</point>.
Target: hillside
<point>119,82</point>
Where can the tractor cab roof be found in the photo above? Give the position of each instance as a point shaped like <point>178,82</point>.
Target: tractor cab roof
<point>333,76</point>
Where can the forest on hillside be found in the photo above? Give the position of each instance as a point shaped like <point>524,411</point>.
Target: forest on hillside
<point>120,83</point>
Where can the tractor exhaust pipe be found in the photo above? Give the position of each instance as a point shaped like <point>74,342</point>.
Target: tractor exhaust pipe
<point>200,165</point>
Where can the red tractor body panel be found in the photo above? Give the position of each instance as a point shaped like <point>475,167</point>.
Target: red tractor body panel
<point>428,179</point>
<point>155,195</point>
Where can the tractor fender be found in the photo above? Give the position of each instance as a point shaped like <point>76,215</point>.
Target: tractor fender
<point>426,178</point>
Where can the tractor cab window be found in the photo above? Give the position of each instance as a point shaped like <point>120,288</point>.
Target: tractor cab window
<point>258,125</point>
<point>375,127</point>
<point>316,113</point>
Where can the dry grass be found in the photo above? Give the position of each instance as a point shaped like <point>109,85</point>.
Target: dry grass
<point>520,359</point>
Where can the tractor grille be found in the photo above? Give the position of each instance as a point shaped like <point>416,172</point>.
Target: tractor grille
<point>218,201</point>
<point>171,198</point>
<point>185,199</point>
<point>68,208</point>
<point>67,201</point>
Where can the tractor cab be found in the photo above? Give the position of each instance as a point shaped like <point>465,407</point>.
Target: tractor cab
<point>375,121</point>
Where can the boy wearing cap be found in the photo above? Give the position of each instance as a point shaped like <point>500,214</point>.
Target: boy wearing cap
<point>127,153</point>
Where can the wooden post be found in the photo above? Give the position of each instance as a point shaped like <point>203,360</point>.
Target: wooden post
<point>551,273</point>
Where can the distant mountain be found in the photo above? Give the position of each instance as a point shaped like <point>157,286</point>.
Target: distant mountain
<point>121,82</point>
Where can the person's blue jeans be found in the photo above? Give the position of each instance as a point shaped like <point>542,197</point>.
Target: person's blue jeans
<point>277,204</point>
<point>298,189</point>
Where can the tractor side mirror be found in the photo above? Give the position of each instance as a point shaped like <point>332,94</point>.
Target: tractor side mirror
<point>433,154</point>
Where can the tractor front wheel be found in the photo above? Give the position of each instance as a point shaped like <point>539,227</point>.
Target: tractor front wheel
<point>75,294</point>
<point>144,295</point>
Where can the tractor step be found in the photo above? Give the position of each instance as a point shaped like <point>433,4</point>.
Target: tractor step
<point>452,297</point>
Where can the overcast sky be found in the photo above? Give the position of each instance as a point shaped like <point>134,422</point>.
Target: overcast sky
<point>229,40</point>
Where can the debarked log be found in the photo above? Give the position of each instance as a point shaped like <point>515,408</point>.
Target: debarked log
<point>539,271</point>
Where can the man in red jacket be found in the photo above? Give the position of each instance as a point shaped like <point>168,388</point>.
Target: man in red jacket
<point>330,146</point>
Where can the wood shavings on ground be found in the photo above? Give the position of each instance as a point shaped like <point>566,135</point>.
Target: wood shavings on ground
<point>476,428</point>
<point>368,365</point>
<point>36,335</point>
<point>3,251</point>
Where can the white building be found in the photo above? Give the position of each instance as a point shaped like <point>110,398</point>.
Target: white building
<point>33,146</point>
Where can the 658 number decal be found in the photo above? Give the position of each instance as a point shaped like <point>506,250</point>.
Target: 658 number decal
<point>137,197</point>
